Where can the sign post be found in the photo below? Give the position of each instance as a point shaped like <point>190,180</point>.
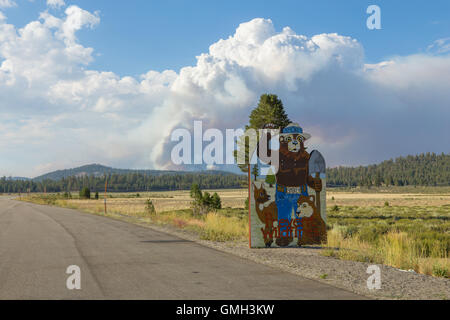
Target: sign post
<point>249,207</point>
<point>106,187</point>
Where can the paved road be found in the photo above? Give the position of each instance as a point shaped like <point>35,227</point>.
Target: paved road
<point>119,260</point>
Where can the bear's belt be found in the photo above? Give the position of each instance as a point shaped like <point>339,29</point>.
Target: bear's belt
<point>291,190</point>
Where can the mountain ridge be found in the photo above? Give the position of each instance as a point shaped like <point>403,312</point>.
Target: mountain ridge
<point>98,170</point>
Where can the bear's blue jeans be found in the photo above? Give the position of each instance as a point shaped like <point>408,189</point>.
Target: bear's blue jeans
<point>288,202</point>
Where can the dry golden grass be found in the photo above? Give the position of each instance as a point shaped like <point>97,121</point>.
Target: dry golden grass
<point>406,230</point>
<point>129,204</point>
<point>378,199</point>
<point>395,249</point>
<point>221,228</point>
<point>235,198</point>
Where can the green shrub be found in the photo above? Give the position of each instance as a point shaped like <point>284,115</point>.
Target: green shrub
<point>216,202</point>
<point>371,232</point>
<point>335,208</point>
<point>203,202</point>
<point>85,193</point>
<point>150,207</point>
<point>440,271</point>
<point>328,253</point>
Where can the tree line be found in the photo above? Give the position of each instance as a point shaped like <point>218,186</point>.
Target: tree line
<point>132,182</point>
<point>427,169</point>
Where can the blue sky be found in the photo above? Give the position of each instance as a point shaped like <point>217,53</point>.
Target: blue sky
<point>103,81</point>
<point>170,34</point>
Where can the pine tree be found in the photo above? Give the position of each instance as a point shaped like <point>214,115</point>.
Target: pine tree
<point>85,193</point>
<point>216,201</point>
<point>270,178</point>
<point>255,171</point>
<point>270,110</point>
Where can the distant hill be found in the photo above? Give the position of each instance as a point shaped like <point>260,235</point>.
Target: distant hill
<point>98,170</point>
<point>421,170</point>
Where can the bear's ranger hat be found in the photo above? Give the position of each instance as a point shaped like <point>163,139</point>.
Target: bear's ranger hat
<point>294,128</point>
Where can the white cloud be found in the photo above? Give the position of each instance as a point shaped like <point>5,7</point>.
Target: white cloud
<point>56,3</point>
<point>77,18</point>
<point>440,46</point>
<point>54,109</point>
<point>7,3</point>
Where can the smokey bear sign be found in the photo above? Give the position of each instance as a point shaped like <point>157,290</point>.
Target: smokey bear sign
<point>288,203</point>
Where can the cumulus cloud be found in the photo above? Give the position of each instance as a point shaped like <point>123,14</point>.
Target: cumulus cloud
<point>54,109</point>
<point>56,3</point>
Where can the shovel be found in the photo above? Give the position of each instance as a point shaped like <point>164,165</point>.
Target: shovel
<point>317,166</point>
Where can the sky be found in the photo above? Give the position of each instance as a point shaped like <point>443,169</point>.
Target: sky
<point>99,81</point>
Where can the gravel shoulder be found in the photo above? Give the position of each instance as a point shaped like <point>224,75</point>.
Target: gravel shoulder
<point>307,262</point>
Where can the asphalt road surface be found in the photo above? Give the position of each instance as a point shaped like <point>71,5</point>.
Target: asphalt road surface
<point>119,260</point>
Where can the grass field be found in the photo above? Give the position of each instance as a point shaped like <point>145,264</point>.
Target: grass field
<point>228,224</point>
<point>407,228</point>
